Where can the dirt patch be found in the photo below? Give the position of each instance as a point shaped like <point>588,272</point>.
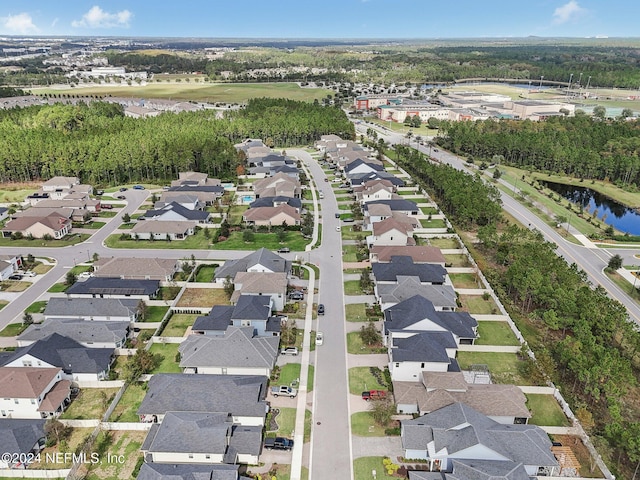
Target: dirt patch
<point>588,469</point>
<point>203,297</point>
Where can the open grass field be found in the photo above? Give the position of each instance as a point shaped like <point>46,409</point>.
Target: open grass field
<point>178,325</point>
<point>169,352</point>
<point>128,405</point>
<point>495,333</point>
<point>361,379</point>
<point>546,411</point>
<point>16,192</point>
<point>210,92</point>
<point>502,366</point>
<point>203,297</point>
<point>91,403</point>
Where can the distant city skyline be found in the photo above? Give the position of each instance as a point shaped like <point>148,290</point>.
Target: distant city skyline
<point>342,19</point>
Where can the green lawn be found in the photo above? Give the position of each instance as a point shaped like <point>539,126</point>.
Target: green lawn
<point>361,379</point>
<point>293,240</point>
<point>128,405</point>
<point>363,425</point>
<point>71,239</point>
<point>78,269</point>
<point>502,366</point>
<point>363,466</point>
<point>349,234</point>
<point>93,225</point>
<point>3,303</point>
<point>310,378</point>
<point>125,445</point>
<point>192,242</point>
<point>58,288</point>
<point>169,351</point>
<point>352,287</point>
<point>433,223</point>
<point>178,324</point>
<point>286,420</point>
<point>37,307</point>
<point>464,280</point>
<point>443,242</point>
<point>203,297</point>
<point>235,214</point>
<point>13,329</point>
<point>126,226</point>
<point>288,374</point>
<point>478,305</point>
<point>546,411</point>
<point>356,312</point>
<point>205,273</point>
<point>495,333</point>
<point>428,210</point>
<point>155,313</point>
<point>14,286</point>
<point>168,293</point>
<point>355,345</point>
<point>457,260</point>
<point>110,214</point>
<point>91,403</point>
<point>212,92</point>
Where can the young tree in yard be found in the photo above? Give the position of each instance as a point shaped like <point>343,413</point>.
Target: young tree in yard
<point>281,233</point>
<point>248,236</point>
<point>228,286</point>
<point>126,218</point>
<point>370,335</point>
<point>70,278</point>
<point>307,224</point>
<point>141,363</point>
<point>27,319</point>
<point>142,310</point>
<point>382,411</point>
<point>56,431</point>
<point>366,284</point>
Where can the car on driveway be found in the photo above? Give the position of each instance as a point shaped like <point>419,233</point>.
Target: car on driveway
<point>284,250</point>
<point>278,443</point>
<point>337,215</point>
<point>348,220</point>
<point>320,309</point>
<point>123,189</point>
<point>374,395</point>
<point>120,197</point>
<point>289,351</point>
<point>15,276</point>
<point>296,295</point>
<point>27,274</point>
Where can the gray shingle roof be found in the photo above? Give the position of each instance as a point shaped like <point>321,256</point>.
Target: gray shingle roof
<point>91,307</point>
<point>362,178</point>
<point>241,395</point>
<point>409,312</point>
<point>252,307</point>
<point>272,201</point>
<point>264,257</point>
<point>67,354</point>
<point>237,348</point>
<point>196,215</point>
<point>458,427</point>
<point>114,286</point>
<point>395,205</point>
<point>190,432</point>
<point>358,162</point>
<point>487,470</point>
<point>81,331</point>
<point>172,471</point>
<point>423,347</point>
<point>19,436</point>
<point>219,318</point>
<point>407,287</point>
<point>404,266</point>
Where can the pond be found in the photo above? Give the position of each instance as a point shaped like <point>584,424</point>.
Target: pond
<point>609,211</point>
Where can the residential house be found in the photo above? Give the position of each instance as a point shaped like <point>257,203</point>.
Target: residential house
<point>186,200</point>
<point>53,225</point>
<point>195,178</point>
<point>81,201</point>
<point>202,437</point>
<point>428,273</point>
<point>174,212</point>
<point>459,432</point>
<point>273,285</point>
<point>503,403</point>
<point>376,190</point>
<point>388,294</point>
<point>111,287</point>
<point>262,260</point>
<point>237,352</point>
<point>361,167</point>
<point>4,213</point>
<point>78,363</point>
<point>163,230</point>
<point>32,392</point>
<point>20,438</point>
<point>283,214</point>
<point>207,194</point>
<point>394,205</point>
<point>88,334</point>
<point>295,203</point>
<point>362,178</point>
<point>162,269</point>
<point>249,311</point>
<point>189,471</point>
<point>60,183</point>
<point>251,143</point>
<point>278,185</point>
<point>243,396</point>
<point>94,309</point>
<point>476,469</point>
<point>391,232</point>
<point>9,264</point>
<point>418,253</point>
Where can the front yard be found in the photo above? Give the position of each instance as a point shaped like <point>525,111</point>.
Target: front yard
<point>193,242</point>
<point>362,378</point>
<point>356,346</point>
<point>13,329</point>
<point>363,425</point>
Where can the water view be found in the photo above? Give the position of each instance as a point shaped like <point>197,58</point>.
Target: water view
<point>609,211</point>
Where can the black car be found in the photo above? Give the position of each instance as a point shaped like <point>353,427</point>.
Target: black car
<point>123,189</point>
<point>320,309</point>
<point>15,277</point>
<point>296,295</point>
<point>337,215</point>
<point>278,443</point>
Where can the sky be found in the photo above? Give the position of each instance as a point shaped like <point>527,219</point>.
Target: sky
<point>322,18</point>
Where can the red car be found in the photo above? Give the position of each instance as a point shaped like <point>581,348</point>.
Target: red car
<point>106,206</point>
<point>374,395</point>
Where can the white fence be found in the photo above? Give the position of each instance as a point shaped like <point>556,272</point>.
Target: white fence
<point>18,473</point>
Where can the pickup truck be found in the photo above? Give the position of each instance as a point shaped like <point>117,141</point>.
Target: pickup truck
<point>284,390</point>
<point>278,443</point>
<point>374,395</point>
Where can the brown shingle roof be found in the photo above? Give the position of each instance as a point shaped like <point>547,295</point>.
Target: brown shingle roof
<point>267,213</point>
<point>419,254</point>
<point>25,382</point>
<point>388,224</point>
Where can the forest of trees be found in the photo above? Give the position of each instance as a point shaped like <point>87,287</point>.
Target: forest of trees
<point>97,143</point>
<point>578,146</point>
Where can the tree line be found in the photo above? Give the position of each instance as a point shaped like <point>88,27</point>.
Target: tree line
<point>101,146</point>
<point>577,146</point>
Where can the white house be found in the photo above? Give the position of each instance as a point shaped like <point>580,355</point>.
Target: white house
<point>32,392</point>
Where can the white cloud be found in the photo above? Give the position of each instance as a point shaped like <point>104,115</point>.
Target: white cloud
<point>567,12</point>
<point>55,22</point>
<point>98,18</point>
<point>21,23</point>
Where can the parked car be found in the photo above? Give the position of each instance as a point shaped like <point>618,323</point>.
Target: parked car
<point>99,192</point>
<point>338,228</point>
<point>120,197</point>
<point>28,274</point>
<point>320,309</point>
<point>123,189</point>
<point>278,443</point>
<point>337,215</point>
<point>348,220</point>
<point>284,250</point>
<point>319,338</point>
<point>284,390</point>
<point>326,179</point>
<point>296,295</point>
<point>374,395</point>
<point>344,185</point>
<point>289,351</point>
<point>15,276</point>
<point>106,206</point>
<point>138,187</point>
<point>85,274</point>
